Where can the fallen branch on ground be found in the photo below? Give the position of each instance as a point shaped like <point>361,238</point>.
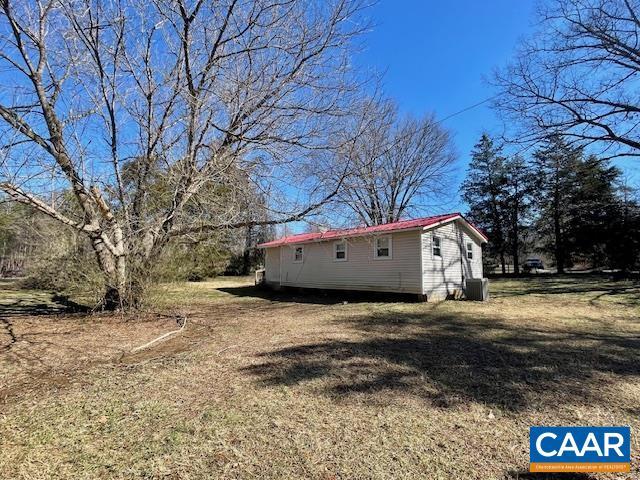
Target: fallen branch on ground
<point>180,320</point>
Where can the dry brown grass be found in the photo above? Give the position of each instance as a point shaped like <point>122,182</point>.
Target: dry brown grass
<point>302,386</point>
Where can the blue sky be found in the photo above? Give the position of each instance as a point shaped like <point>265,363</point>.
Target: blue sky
<point>437,56</point>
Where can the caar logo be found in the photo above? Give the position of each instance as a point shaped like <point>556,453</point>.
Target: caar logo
<point>580,449</point>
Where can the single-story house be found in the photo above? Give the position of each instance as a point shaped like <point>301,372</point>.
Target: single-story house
<point>432,257</point>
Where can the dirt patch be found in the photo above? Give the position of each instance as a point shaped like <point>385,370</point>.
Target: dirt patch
<point>51,351</point>
<point>40,351</point>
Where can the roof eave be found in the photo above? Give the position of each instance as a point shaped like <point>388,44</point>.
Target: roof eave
<point>454,217</point>
<point>483,238</point>
<point>339,237</point>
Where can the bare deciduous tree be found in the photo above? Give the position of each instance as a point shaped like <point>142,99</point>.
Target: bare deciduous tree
<point>144,110</point>
<point>397,164</point>
<point>578,76</point>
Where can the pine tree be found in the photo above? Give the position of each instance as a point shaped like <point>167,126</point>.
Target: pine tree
<point>557,167</point>
<point>623,247</point>
<point>518,193</point>
<point>594,207</point>
<point>484,192</point>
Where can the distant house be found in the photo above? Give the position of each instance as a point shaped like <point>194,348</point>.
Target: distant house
<point>431,257</point>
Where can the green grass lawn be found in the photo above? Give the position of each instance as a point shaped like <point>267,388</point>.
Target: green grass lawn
<point>314,386</point>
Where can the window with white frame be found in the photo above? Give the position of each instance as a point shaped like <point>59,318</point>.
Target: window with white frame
<point>298,254</point>
<point>469,250</point>
<point>437,246</point>
<point>383,247</point>
<point>340,251</point>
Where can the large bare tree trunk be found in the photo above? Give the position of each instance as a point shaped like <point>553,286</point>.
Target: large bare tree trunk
<point>168,119</point>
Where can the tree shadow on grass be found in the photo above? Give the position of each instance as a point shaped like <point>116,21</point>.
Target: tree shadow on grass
<point>448,360</point>
<point>317,296</point>
<point>57,304</point>
<point>30,307</point>
<point>621,291</point>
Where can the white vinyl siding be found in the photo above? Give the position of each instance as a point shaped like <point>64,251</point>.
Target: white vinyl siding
<point>472,266</point>
<point>412,268</point>
<point>444,275</point>
<point>400,273</point>
<point>272,265</point>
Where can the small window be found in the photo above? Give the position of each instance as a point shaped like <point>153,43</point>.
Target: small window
<point>382,247</point>
<point>437,247</point>
<point>298,255</point>
<point>340,251</point>
<point>470,250</point>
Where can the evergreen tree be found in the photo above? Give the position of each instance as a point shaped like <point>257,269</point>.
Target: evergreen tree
<point>484,192</point>
<point>594,207</point>
<point>557,167</point>
<point>579,209</point>
<point>623,247</point>
<point>517,207</point>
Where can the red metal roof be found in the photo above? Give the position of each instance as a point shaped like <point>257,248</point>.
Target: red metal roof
<point>350,232</point>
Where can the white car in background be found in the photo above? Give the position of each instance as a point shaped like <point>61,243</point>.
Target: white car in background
<point>533,264</point>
